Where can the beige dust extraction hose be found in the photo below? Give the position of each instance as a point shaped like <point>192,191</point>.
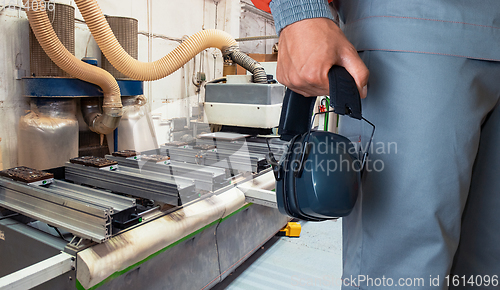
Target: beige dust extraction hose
<point>150,71</point>
<point>112,105</point>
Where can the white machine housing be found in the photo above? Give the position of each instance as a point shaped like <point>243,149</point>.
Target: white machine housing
<point>244,104</point>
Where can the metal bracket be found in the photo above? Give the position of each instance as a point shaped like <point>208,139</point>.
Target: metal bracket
<point>77,244</point>
<point>39,273</point>
<point>260,196</point>
<point>258,190</point>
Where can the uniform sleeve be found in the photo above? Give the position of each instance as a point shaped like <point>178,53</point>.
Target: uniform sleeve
<point>286,12</point>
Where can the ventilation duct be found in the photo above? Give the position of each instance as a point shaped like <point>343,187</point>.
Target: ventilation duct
<point>62,18</point>
<point>126,31</point>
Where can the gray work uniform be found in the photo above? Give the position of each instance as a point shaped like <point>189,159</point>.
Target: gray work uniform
<point>434,91</point>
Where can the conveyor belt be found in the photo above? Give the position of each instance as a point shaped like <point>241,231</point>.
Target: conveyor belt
<point>82,211</point>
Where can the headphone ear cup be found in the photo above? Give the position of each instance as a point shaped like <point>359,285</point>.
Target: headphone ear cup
<point>330,192</point>
<point>283,186</point>
<point>291,172</point>
<point>300,157</point>
<point>286,190</point>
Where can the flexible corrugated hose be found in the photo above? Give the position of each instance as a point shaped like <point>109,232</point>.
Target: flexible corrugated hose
<point>112,106</point>
<point>150,71</point>
<point>253,66</point>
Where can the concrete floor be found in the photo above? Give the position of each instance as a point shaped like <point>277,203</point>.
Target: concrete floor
<point>312,261</point>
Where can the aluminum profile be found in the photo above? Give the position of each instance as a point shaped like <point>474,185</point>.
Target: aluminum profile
<point>130,181</point>
<point>276,145</point>
<point>82,211</point>
<point>116,202</point>
<point>239,160</point>
<point>248,154</point>
<point>205,177</point>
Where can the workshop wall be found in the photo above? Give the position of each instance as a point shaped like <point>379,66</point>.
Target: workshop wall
<point>254,22</point>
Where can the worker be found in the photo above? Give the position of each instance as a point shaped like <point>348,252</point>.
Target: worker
<point>430,72</point>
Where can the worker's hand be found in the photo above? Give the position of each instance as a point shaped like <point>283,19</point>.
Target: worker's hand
<point>308,49</point>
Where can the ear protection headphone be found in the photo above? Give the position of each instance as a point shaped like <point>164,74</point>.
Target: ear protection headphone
<point>318,177</point>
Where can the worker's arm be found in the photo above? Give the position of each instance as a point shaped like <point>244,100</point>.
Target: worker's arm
<point>309,44</point>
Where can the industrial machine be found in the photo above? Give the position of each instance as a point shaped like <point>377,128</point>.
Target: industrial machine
<point>182,215</point>
<point>133,221</point>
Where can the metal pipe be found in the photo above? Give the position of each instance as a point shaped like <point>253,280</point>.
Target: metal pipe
<point>90,109</point>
